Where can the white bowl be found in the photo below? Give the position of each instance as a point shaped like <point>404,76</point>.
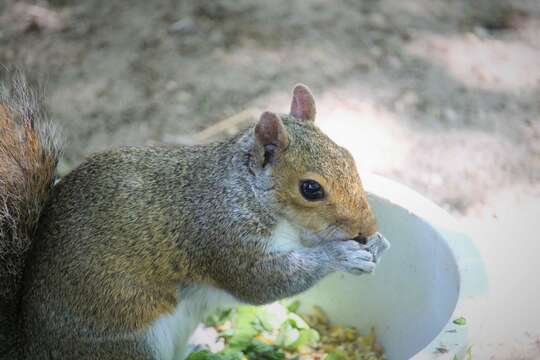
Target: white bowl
<point>420,284</point>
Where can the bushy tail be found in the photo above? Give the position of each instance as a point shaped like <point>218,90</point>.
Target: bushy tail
<point>29,151</point>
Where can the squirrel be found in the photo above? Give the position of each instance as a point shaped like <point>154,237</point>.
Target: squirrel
<point>125,255</point>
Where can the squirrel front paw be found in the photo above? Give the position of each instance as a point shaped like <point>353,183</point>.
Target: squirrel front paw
<point>376,245</point>
<point>350,256</point>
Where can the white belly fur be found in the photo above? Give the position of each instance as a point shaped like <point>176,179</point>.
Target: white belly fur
<point>169,333</point>
<point>285,237</point>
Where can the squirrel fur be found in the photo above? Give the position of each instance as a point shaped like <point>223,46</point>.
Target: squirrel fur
<point>126,254</point>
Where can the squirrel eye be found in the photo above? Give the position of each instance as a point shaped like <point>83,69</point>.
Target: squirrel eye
<point>311,190</point>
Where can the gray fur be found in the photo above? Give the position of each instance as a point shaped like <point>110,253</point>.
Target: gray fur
<point>25,179</point>
<point>125,230</point>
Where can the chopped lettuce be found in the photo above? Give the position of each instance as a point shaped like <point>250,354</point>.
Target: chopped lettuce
<point>278,332</point>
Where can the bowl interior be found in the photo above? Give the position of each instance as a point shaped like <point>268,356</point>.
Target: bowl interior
<point>411,296</point>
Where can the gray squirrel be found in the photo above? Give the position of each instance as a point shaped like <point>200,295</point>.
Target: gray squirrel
<point>127,253</point>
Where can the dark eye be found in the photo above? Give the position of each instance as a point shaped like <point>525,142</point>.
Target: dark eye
<point>311,190</point>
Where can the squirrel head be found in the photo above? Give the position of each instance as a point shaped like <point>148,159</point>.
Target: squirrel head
<point>315,182</point>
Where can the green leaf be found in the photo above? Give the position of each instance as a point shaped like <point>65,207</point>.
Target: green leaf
<point>244,323</point>
<point>297,322</point>
<point>258,350</point>
<point>234,350</point>
<point>203,355</point>
<point>218,317</point>
<point>233,356</point>
<point>333,356</point>
<point>460,321</point>
<point>272,315</point>
<point>226,333</point>
<point>287,335</point>
<point>308,337</point>
<point>266,320</point>
<point>259,346</point>
<point>293,306</point>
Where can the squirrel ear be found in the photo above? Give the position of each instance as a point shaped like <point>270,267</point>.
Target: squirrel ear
<point>271,135</point>
<point>303,103</point>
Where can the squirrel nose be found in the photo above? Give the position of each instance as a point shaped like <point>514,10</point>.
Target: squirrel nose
<point>360,239</point>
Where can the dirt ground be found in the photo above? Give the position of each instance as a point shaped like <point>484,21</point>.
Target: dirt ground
<point>443,96</point>
<point>453,88</point>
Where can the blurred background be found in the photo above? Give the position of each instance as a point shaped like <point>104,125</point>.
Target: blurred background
<point>443,96</point>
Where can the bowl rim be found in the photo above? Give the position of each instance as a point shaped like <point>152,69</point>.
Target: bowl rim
<point>451,342</point>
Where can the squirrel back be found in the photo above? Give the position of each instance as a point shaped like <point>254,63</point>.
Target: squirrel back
<point>29,151</point>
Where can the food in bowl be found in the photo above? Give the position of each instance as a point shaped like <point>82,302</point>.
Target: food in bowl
<point>279,332</point>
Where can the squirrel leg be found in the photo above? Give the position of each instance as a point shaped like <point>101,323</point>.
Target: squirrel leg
<point>276,276</point>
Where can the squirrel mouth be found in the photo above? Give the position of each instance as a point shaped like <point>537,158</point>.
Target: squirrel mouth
<point>362,240</point>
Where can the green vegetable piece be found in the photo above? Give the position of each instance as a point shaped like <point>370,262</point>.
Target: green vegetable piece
<point>287,335</point>
<point>244,322</point>
<point>208,355</point>
<point>266,320</point>
<point>297,322</point>
<point>258,350</point>
<point>460,321</point>
<point>293,306</point>
<point>333,356</point>
<point>203,355</point>
<point>308,337</point>
<point>259,346</point>
<point>232,356</point>
<point>272,316</point>
<point>219,317</point>
<point>226,333</point>
<point>234,350</point>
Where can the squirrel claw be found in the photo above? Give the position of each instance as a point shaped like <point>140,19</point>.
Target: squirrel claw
<point>376,245</point>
